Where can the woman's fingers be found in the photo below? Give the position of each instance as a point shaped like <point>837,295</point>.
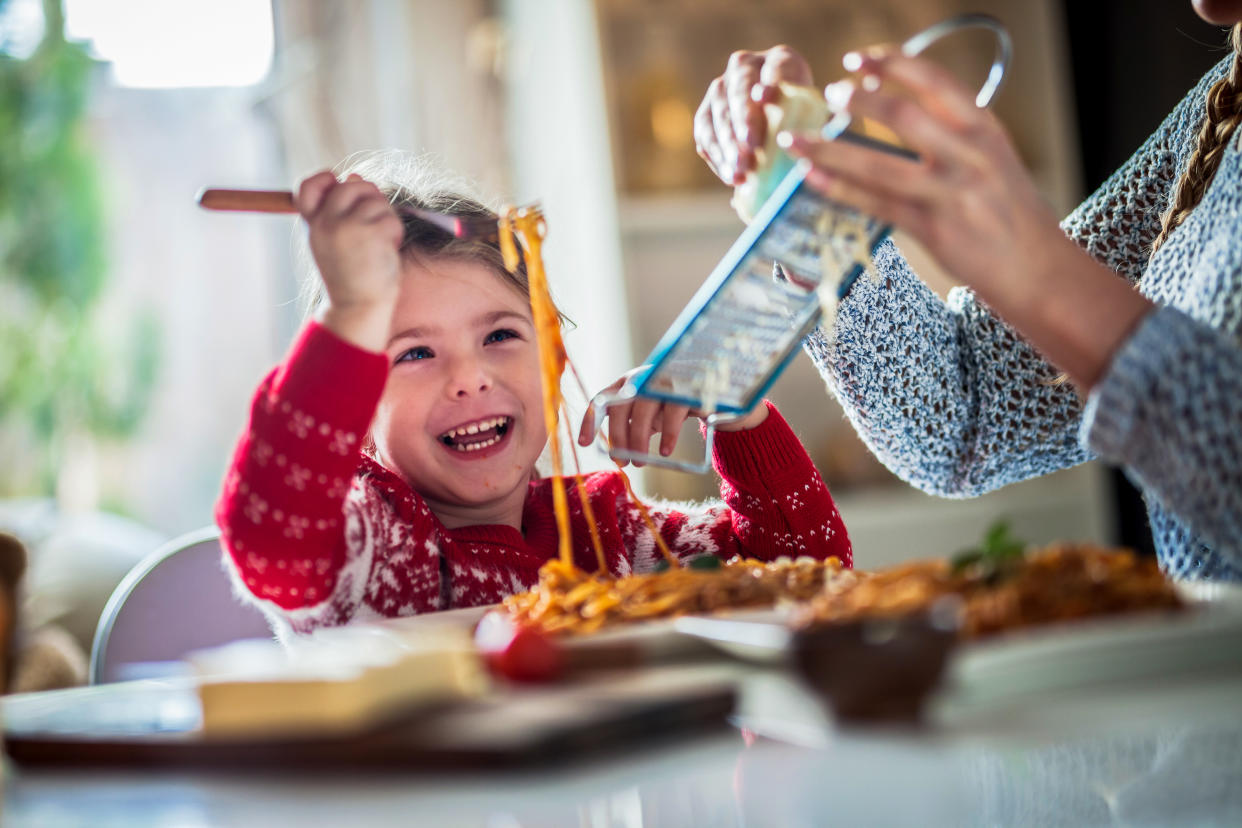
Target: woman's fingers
<point>782,64</point>
<point>746,119</point>
<point>890,208</point>
<point>934,86</point>
<point>941,143</point>
<point>777,65</point>
<point>951,137</point>
<point>706,142</point>
<point>726,138</point>
<point>891,188</point>
<point>729,125</point>
<point>881,172</point>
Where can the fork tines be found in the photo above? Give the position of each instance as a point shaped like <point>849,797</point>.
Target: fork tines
<point>463,227</point>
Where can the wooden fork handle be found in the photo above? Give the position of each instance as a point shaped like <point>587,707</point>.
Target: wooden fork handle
<point>253,201</point>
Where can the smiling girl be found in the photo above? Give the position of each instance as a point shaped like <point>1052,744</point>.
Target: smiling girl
<point>388,468</point>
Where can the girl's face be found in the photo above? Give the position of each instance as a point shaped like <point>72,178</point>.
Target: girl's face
<point>461,418</point>
<point>1219,12</point>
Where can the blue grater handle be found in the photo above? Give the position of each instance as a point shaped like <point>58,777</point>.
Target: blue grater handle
<point>627,392</point>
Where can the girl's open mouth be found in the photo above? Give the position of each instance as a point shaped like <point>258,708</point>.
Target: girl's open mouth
<point>478,435</point>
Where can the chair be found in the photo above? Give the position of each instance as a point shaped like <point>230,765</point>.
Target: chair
<point>177,600</point>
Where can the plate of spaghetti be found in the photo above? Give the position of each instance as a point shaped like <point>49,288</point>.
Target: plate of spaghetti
<point>991,593</point>
<point>996,624</point>
<point>568,601</point>
<point>1059,588</point>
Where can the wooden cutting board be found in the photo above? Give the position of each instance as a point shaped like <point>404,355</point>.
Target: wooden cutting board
<point>155,724</point>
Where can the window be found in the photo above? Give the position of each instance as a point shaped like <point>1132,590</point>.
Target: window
<point>157,44</point>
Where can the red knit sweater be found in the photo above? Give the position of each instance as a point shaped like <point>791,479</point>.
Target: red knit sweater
<point>323,535</point>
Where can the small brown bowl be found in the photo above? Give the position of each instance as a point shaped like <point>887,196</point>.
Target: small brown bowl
<point>876,669</point>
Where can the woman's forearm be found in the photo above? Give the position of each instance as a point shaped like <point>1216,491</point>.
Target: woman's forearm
<point>949,398</point>
<point>1073,309</point>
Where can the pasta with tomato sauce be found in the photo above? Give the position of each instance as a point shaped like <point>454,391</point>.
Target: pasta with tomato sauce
<point>1060,582</point>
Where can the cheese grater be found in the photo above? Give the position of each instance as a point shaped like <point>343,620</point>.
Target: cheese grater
<point>747,321</point>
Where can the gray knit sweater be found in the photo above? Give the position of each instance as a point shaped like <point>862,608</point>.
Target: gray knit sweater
<point>955,403</point>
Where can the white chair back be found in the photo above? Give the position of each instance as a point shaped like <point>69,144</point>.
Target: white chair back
<point>177,600</point>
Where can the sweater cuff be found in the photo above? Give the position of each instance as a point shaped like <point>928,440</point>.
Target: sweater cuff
<point>1112,408</point>
<point>768,450</point>
<point>330,377</point>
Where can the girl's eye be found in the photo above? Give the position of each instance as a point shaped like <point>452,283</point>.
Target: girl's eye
<point>500,336</point>
<point>421,352</point>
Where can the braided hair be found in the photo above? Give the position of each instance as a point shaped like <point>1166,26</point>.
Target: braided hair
<point>1224,112</point>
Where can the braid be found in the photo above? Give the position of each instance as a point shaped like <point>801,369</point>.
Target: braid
<point>1224,111</point>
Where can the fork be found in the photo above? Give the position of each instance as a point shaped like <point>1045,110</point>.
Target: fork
<point>281,201</point>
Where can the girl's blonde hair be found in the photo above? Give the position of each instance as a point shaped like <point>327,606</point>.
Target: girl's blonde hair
<point>420,181</point>
<point>1224,112</point>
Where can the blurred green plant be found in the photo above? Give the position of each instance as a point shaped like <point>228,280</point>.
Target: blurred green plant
<point>997,555</point>
<point>66,370</point>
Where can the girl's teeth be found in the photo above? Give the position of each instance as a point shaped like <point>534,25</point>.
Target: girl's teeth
<point>475,428</point>
<point>476,446</point>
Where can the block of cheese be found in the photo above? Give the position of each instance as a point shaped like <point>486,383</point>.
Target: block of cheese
<point>799,109</point>
<point>342,680</point>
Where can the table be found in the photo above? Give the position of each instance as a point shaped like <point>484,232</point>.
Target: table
<point>1166,752</point>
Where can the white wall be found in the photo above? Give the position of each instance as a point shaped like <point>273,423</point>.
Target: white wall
<point>560,155</point>
<point>220,284</point>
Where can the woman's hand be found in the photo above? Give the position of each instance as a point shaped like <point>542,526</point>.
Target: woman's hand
<point>968,197</point>
<point>632,424</point>
<point>729,125</point>
<point>355,236</point>
<point>970,201</point>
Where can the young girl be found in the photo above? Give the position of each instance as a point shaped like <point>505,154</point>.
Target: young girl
<point>388,468</point>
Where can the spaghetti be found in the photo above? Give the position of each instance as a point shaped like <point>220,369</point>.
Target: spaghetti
<point>569,601</point>
<point>526,226</point>
<point>529,227</point>
<point>1061,582</point>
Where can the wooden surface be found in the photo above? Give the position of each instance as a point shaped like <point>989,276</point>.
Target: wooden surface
<point>155,724</point>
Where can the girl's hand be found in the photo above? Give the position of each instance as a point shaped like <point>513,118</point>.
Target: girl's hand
<point>730,125</point>
<point>970,201</point>
<point>631,425</point>
<point>355,236</point>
